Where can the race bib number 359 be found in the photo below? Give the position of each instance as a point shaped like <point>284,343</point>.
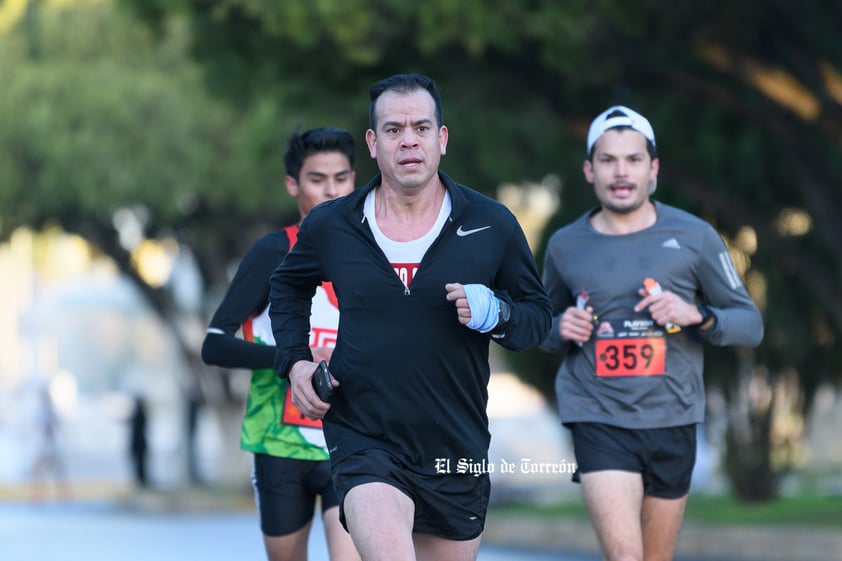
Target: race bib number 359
<point>634,356</point>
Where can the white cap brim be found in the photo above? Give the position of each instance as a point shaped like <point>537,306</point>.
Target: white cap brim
<point>620,116</point>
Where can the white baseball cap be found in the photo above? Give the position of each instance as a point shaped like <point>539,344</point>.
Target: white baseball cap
<point>619,116</point>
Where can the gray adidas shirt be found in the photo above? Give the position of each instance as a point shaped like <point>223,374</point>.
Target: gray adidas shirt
<point>632,373</point>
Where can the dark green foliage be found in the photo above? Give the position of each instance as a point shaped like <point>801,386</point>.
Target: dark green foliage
<point>184,108</point>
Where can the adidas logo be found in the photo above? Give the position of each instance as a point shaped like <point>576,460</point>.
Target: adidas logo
<point>671,243</point>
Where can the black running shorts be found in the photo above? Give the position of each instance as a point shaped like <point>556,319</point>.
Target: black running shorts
<point>663,457</point>
<point>450,506</point>
<point>285,491</point>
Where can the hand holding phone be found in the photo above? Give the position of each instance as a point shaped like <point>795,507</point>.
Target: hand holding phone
<point>321,382</point>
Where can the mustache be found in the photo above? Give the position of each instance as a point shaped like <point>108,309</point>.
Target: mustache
<point>653,184</point>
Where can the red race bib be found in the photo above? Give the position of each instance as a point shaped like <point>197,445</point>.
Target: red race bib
<point>293,415</point>
<point>630,348</point>
<point>630,357</point>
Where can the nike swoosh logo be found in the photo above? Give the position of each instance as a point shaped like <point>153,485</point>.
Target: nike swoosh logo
<point>460,232</point>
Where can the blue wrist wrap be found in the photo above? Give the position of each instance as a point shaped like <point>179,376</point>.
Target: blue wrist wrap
<point>485,309</point>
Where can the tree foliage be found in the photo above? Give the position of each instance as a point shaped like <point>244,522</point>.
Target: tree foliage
<point>746,97</point>
<point>185,115</point>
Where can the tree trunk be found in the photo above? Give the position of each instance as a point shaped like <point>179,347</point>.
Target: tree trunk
<point>203,389</point>
<point>765,429</point>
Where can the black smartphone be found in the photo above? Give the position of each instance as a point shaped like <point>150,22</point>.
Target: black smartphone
<point>321,382</point>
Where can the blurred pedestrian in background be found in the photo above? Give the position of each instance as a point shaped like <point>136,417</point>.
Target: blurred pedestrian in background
<point>138,445</point>
<point>48,462</point>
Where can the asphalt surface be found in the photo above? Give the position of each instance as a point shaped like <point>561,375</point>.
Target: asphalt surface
<point>105,531</point>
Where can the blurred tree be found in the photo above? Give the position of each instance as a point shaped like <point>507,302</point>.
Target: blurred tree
<point>746,100</point>
<point>109,133</point>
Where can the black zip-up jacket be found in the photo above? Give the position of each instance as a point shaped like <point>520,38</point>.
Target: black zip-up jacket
<point>414,381</point>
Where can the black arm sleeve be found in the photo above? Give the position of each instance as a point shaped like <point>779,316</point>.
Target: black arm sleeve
<point>248,294</point>
<point>225,350</point>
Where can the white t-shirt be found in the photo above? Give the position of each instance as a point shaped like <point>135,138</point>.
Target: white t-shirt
<point>406,256</point>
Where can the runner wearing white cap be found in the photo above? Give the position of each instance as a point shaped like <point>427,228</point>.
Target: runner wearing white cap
<point>630,389</point>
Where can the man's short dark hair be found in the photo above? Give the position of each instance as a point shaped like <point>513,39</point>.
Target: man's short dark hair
<point>404,84</point>
<point>327,139</point>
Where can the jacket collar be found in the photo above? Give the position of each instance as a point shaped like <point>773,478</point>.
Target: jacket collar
<point>458,200</point>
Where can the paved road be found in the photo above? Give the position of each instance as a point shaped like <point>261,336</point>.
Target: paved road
<point>105,531</point>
